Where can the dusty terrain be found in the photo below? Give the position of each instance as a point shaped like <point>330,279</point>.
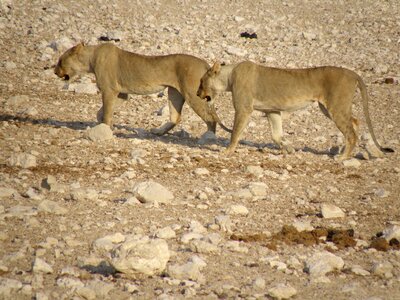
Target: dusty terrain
<point>42,118</point>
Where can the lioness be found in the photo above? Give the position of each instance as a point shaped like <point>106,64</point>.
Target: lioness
<point>273,90</point>
<point>120,72</point>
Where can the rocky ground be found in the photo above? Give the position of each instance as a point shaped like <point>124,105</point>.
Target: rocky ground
<point>129,215</point>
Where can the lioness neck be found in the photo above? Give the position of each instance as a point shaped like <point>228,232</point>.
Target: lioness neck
<point>86,57</point>
<point>225,76</point>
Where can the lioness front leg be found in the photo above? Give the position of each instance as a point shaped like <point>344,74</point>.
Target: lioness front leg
<point>175,104</point>
<point>275,121</point>
<point>240,123</point>
<point>118,101</point>
<point>105,113</point>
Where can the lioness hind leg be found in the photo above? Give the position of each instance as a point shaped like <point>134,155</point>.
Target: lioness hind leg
<point>348,126</point>
<point>275,121</point>
<point>175,104</point>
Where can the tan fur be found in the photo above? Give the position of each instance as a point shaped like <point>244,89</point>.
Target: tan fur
<point>273,91</point>
<point>120,72</point>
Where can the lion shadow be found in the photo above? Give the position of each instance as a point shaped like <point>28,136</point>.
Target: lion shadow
<point>179,137</point>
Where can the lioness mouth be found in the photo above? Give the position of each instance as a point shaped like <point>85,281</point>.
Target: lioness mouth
<point>208,98</point>
<point>66,77</point>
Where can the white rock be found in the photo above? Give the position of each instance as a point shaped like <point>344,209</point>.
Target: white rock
<point>197,227</point>
<point>200,246</point>
<point>309,36</point>
<point>358,270</point>
<point>207,137</point>
<point>303,225</point>
<point>189,271</point>
<point>330,211</point>
<point>8,287</point>
<point>322,263</point>
<point>86,293</point>
<point>224,223</point>
<point>61,44</point>
<point>101,289</point>
<point>29,111</point>
<point>352,162</point>
<point>201,171</point>
<point>21,211</point>
<point>83,88</point>
<point>50,183</point>
<point>10,65</point>
<point>381,193</point>
<point>150,192</point>
<point>107,243</point>
<point>259,283</point>
<point>80,194</point>
<point>236,246</point>
<point>141,255</point>
<point>255,170</point>
<point>236,51</point>
<point>392,232</point>
<point>237,209</point>
<point>238,19</point>
<point>258,189</point>
<point>165,233</point>
<point>99,133</point>
<point>6,192</point>
<point>187,237</point>
<point>40,266</point>
<point>282,291</point>
<point>52,207</point>
<point>383,269</point>
<point>23,160</point>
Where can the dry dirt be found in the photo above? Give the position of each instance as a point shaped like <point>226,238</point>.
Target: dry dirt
<point>50,123</point>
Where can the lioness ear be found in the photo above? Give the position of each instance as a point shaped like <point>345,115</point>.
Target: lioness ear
<point>216,68</point>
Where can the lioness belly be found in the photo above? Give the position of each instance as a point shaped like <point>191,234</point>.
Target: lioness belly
<point>289,105</point>
<point>143,90</point>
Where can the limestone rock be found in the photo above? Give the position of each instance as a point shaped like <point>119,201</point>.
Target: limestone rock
<point>23,160</point>
<point>282,291</point>
<point>237,209</point>
<point>40,266</point>
<point>150,192</point>
<point>52,207</point>
<point>392,232</point>
<point>189,271</point>
<point>140,255</point>
<point>330,211</point>
<point>322,263</point>
<point>99,133</point>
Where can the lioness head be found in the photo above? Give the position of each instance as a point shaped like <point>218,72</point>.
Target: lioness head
<point>210,83</point>
<point>69,64</point>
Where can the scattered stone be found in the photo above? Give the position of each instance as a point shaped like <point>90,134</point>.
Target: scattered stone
<point>114,35</point>
<point>99,133</point>
<point>40,266</point>
<point>7,192</point>
<point>50,183</point>
<point>224,223</point>
<point>236,246</point>
<point>258,189</point>
<point>108,242</point>
<point>83,88</point>
<point>381,193</point>
<point>392,232</point>
<point>201,171</point>
<point>358,270</point>
<point>23,160</point>
<point>330,211</point>
<point>303,225</point>
<point>197,227</point>
<point>322,263</point>
<point>259,283</point>
<point>8,287</point>
<point>382,269</point>
<point>236,51</point>
<point>165,233</point>
<point>352,162</point>
<point>151,192</point>
<point>187,237</point>
<point>282,291</point>
<point>200,246</point>
<point>189,271</point>
<point>237,209</point>
<point>52,207</point>
<point>20,211</point>
<point>255,170</point>
<point>140,254</point>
